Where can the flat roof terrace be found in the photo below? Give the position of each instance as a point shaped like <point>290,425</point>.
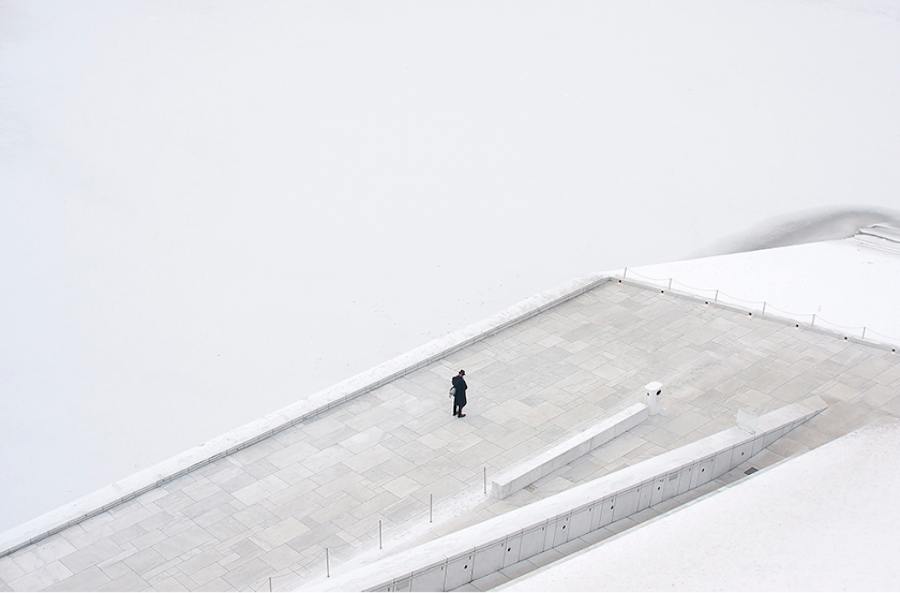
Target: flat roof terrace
<point>271,509</point>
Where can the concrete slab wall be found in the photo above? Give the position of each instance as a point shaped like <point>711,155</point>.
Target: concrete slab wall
<point>565,452</point>
<point>453,560</point>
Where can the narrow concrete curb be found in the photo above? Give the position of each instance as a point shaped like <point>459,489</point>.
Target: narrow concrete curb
<point>157,475</point>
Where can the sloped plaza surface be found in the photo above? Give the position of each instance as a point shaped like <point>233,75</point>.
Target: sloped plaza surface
<point>271,509</point>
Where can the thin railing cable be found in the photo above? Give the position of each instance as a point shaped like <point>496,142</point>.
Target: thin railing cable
<point>815,320</point>
<point>774,308</point>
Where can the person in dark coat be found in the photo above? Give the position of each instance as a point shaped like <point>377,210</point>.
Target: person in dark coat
<point>459,398</point>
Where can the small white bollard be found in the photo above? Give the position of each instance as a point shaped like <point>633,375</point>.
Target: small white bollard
<point>654,390</point>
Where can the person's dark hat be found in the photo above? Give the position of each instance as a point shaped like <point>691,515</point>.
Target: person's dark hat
<point>462,372</point>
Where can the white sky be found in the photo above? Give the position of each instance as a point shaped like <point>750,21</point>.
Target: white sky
<point>209,210</point>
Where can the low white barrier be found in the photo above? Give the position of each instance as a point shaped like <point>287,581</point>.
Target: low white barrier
<point>567,451</point>
<point>477,551</point>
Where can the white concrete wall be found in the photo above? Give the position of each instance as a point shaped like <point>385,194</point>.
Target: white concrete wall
<point>455,559</point>
<point>565,452</point>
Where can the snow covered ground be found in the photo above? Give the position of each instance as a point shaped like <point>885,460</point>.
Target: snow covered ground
<point>825,521</point>
<point>848,284</point>
<point>209,210</point>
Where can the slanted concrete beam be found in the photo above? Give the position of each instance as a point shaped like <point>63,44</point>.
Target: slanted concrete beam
<point>566,451</point>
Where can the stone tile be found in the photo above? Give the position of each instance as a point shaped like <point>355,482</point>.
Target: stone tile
<point>281,557</point>
<point>144,560</point>
<point>217,500</point>
<point>216,584</point>
<point>167,584</point>
<point>9,570</point>
<point>41,578</point>
<point>227,528</point>
<point>261,468</point>
<point>161,521</point>
<point>92,555</point>
<point>402,486</point>
<point>381,501</point>
<point>260,489</point>
<point>369,458</point>
<point>126,582</point>
<point>280,533</point>
<point>351,483</point>
<point>253,516</point>
<point>200,561</point>
<point>182,542</point>
<point>90,579</point>
<point>115,567</point>
<point>208,574</point>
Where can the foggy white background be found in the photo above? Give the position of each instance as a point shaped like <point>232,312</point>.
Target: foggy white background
<point>209,210</point>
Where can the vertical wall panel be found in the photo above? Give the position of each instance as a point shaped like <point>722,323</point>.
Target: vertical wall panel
<point>626,504</point>
<point>657,491</point>
<point>772,436</point>
<point>645,492</point>
<point>513,545</point>
<point>459,571</point>
<point>607,511</point>
<point>532,542</point>
<point>429,579</point>
<point>671,487</point>
<point>706,470</point>
<point>695,475</point>
<point>403,584</point>
<point>684,479</point>
<point>723,463</point>
<point>580,523</point>
<point>561,533</point>
<point>757,444</point>
<point>742,453</point>
<point>488,559</point>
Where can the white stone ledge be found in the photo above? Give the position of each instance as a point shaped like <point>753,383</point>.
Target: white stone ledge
<point>128,488</point>
<point>476,551</point>
<point>534,468</point>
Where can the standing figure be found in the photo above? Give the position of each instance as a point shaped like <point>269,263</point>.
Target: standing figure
<point>459,398</point>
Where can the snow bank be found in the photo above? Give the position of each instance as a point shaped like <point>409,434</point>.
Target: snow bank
<point>827,520</point>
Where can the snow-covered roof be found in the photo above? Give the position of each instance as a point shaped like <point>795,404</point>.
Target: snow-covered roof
<point>849,285</point>
<point>824,520</point>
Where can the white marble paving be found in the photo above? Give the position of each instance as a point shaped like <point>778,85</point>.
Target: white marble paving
<point>271,508</point>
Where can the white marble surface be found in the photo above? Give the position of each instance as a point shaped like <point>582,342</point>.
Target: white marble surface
<point>321,401</point>
<point>271,509</point>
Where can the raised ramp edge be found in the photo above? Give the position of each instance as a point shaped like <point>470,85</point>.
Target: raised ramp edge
<point>566,451</point>
<point>482,549</point>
